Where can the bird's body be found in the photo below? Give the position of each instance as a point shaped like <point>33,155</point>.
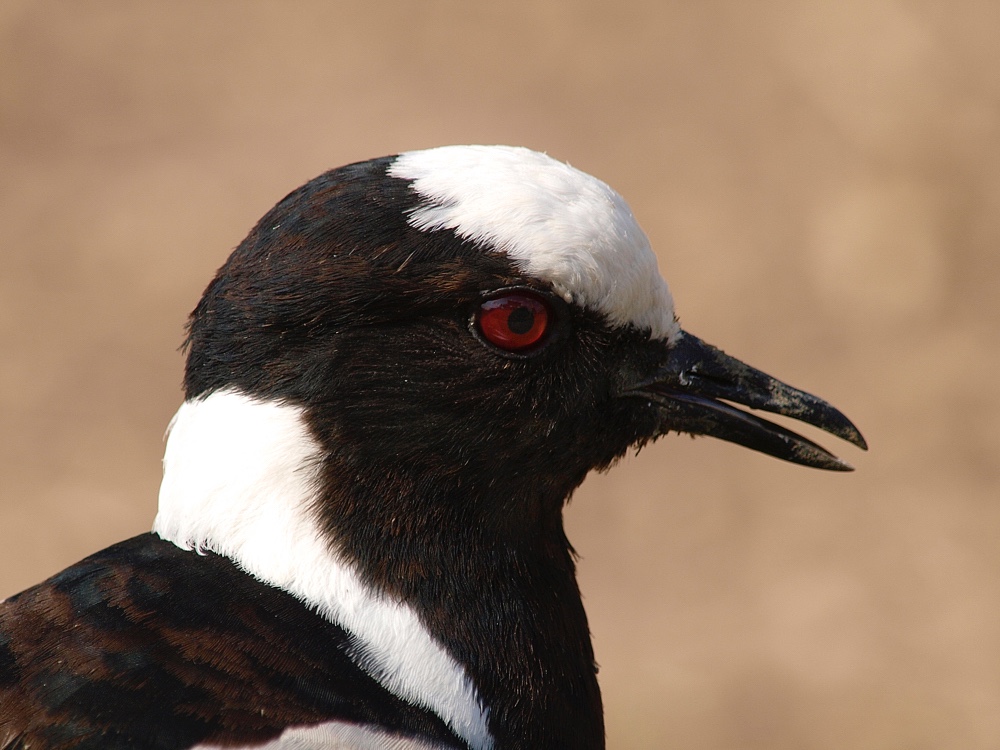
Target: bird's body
<point>393,386</point>
<point>161,648</point>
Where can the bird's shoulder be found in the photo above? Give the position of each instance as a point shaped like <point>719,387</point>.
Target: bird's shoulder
<point>147,645</point>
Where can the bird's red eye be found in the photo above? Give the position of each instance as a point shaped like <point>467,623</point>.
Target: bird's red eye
<point>514,322</point>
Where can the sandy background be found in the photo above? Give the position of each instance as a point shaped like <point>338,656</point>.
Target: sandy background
<point>822,184</point>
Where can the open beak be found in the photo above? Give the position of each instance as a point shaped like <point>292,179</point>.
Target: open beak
<point>691,389</point>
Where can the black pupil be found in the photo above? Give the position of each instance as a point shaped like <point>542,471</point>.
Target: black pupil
<point>521,320</point>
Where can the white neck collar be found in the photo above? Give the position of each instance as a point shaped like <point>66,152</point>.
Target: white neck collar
<point>240,479</point>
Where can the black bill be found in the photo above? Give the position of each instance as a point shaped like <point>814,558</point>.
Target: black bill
<point>694,384</point>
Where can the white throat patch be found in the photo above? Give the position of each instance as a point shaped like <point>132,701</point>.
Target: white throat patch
<point>554,222</point>
<point>239,479</point>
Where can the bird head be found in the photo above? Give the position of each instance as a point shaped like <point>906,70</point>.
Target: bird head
<point>472,316</point>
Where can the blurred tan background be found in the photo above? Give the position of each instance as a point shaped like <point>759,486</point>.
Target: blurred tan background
<point>822,184</point>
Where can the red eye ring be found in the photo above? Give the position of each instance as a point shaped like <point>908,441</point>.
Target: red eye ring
<point>515,321</point>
